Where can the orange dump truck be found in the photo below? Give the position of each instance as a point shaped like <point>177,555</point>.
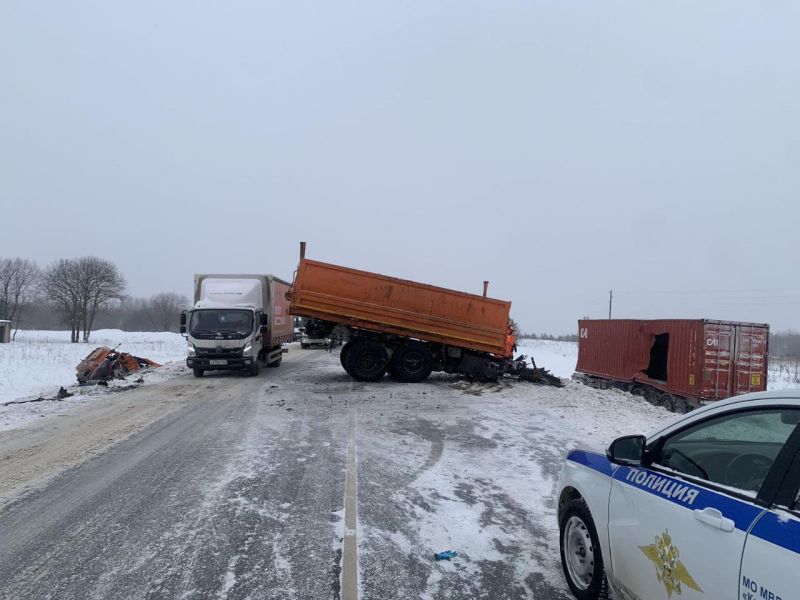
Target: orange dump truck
<point>406,328</point>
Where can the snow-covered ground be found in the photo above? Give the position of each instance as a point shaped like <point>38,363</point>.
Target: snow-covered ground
<point>37,363</point>
<point>784,374</point>
<point>559,358</point>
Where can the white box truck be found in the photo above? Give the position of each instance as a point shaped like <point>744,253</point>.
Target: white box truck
<point>238,322</point>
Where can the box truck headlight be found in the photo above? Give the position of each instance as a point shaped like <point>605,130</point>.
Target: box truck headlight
<point>192,351</point>
<point>247,349</point>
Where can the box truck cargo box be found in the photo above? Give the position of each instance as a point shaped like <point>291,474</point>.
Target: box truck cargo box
<point>238,322</point>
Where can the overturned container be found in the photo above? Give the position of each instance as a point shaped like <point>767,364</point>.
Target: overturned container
<point>677,363</point>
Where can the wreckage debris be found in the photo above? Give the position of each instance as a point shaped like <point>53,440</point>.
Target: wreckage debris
<point>62,393</point>
<point>104,364</point>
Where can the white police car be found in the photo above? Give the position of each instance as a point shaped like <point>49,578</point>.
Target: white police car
<point>706,507</point>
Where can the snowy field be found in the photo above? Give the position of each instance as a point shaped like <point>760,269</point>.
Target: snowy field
<point>784,374</point>
<point>559,358</point>
<point>39,362</point>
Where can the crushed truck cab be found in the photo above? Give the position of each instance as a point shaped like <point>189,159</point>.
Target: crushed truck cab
<point>706,507</point>
<point>238,322</point>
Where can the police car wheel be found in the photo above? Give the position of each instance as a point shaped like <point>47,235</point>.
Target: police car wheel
<point>580,552</point>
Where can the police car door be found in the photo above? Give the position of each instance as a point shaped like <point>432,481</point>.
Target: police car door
<point>678,527</point>
<point>772,549</point>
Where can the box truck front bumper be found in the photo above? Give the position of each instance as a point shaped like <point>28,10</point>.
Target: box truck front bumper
<point>219,364</point>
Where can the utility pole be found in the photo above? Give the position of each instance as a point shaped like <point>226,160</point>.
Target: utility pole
<point>610,300</point>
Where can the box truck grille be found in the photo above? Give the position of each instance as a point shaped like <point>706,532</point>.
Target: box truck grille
<point>219,352</point>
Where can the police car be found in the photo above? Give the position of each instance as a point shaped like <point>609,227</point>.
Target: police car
<point>706,507</point>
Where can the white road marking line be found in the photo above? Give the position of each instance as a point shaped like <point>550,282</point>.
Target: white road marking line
<point>349,576</point>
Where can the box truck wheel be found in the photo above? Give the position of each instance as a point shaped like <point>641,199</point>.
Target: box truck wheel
<point>367,361</point>
<point>198,372</point>
<point>277,362</point>
<point>254,369</point>
<point>412,362</point>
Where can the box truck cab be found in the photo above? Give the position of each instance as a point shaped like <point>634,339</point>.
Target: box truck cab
<point>238,322</point>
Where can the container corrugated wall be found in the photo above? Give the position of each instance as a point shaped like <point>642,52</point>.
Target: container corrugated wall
<point>674,355</point>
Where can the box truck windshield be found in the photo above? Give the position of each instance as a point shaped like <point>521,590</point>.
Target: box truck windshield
<point>214,322</point>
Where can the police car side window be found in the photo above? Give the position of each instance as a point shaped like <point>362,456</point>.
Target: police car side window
<point>735,450</point>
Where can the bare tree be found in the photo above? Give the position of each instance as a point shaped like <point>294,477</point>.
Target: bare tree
<point>80,287</point>
<point>164,310</point>
<point>18,280</point>
<point>61,286</point>
<point>99,284</point>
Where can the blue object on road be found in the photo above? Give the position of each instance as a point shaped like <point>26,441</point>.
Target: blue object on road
<point>446,555</point>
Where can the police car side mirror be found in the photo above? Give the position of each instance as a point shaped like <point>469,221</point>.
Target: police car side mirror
<point>627,450</point>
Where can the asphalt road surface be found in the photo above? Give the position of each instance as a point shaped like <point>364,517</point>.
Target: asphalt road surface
<point>239,491</point>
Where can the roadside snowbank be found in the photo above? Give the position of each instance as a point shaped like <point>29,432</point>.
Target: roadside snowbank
<point>39,362</point>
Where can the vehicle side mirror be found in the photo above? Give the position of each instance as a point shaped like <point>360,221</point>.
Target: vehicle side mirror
<point>183,319</point>
<point>183,329</point>
<point>627,450</point>
<point>264,320</point>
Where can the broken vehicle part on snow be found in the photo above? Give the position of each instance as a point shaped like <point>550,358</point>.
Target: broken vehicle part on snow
<point>446,555</point>
<point>519,368</point>
<point>104,364</point>
<point>60,395</point>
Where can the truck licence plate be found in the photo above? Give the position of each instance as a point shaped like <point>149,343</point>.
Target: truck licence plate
<point>217,362</point>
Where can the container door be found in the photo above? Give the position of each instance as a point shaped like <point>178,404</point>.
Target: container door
<point>749,362</point>
<point>717,363</point>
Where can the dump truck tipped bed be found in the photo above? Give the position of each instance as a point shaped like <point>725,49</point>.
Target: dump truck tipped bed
<point>397,306</point>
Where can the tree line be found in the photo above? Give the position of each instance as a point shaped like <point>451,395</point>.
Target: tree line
<point>81,295</point>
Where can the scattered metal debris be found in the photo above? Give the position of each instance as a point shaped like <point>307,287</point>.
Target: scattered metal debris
<point>62,393</point>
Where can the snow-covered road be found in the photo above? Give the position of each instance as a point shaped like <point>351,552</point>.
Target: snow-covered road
<point>235,487</point>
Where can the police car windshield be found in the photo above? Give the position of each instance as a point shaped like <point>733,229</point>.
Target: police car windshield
<point>224,322</point>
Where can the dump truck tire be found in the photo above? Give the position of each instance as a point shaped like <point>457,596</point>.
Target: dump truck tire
<point>343,354</point>
<point>367,361</point>
<point>412,362</point>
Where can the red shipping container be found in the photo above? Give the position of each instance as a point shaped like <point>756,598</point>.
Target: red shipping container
<point>698,359</point>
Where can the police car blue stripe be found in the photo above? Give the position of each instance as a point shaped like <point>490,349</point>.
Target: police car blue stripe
<point>770,528</point>
<point>742,513</point>
<point>784,533</point>
<point>593,460</point>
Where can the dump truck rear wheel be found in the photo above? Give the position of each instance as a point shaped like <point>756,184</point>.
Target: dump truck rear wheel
<point>198,372</point>
<point>413,362</point>
<point>367,361</point>
<point>343,354</point>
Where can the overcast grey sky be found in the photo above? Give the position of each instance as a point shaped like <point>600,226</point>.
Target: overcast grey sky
<point>559,149</point>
